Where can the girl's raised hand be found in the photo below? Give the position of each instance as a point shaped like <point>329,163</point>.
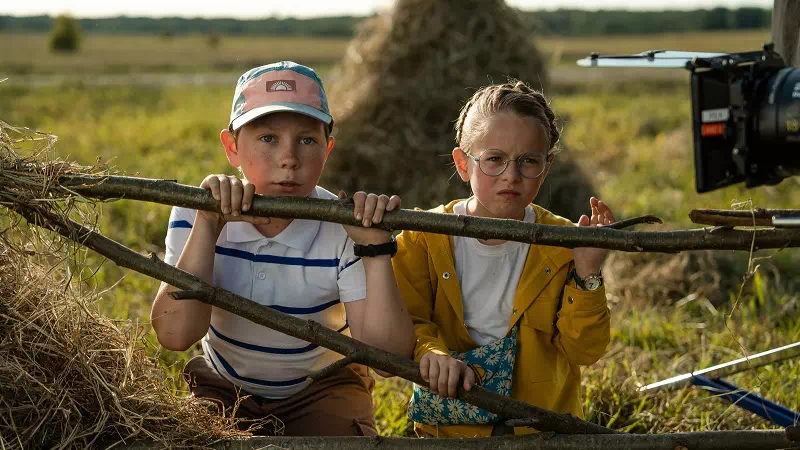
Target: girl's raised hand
<point>588,260</point>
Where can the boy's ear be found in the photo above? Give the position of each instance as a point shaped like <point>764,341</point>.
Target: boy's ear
<point>331,143</point>
<point>460,160</point>
<point>229,144</point>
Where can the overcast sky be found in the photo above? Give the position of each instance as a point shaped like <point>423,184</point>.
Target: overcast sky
<point>310,8</point>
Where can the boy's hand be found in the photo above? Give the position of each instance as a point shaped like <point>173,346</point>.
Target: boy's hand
<point>589,259</point>
<point>442,372</point>
<point>235,197</point>
<point>369,209</point>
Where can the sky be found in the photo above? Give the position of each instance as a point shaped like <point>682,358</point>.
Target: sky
<point>311,8</point>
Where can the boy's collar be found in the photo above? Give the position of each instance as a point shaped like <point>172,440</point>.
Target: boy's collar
<point>298,235</point>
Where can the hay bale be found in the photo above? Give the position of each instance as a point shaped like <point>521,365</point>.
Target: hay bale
<point>72,378</point>
<point>401,84</point>
<point>69,376</point>
<point>665,279</point>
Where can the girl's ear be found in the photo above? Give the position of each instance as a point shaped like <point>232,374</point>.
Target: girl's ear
<point>550,159</point>
<point>460,159</point>
<point>229,144</point>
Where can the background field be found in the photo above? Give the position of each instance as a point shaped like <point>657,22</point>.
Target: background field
<point>629,130</point>
<point>103,54</point>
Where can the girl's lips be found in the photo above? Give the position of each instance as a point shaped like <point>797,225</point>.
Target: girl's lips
<point>509,193</point>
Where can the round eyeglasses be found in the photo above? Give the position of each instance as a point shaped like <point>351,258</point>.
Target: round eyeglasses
<point>494,162</point>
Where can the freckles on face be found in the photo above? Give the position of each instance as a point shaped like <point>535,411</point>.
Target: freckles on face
<point>283,153</point>
<point>507,195</point>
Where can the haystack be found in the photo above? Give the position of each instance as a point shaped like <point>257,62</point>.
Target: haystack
<point>69,376</point>
<point>667,279</point>
<point>397,93</point>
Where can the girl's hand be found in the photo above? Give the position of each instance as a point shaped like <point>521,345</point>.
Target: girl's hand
<point>369,209</point>
<point>588,260</point>
<point>235,197</point>
<point>442,372</point>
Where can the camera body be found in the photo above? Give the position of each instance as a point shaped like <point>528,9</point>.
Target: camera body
<point>745,119</point>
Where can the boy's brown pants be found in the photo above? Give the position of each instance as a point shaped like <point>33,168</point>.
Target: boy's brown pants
<point>339,405</point>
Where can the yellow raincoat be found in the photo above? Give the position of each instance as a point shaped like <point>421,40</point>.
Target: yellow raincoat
<point>562,327</point>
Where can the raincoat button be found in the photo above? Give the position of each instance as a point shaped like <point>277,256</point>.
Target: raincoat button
<point>547,270</point>
<point>570,300</point>
<point>514,310</point>
<point>446,275</point>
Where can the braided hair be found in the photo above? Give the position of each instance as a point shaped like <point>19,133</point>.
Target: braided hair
<point>513,96</point>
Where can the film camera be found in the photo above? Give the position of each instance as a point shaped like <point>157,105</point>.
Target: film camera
<point>745,113</point>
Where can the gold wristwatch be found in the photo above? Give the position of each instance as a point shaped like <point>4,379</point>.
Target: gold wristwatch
<point>592,282</point>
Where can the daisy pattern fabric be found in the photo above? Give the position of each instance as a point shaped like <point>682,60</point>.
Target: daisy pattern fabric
<point>493,364</point>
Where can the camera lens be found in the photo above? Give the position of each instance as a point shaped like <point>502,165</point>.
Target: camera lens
<point>779,112</point>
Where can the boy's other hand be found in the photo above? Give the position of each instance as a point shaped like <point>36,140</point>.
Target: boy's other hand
<point>442,372</point>
<point>369,209</point>
<point>235,197</point>
<point>589,259</point>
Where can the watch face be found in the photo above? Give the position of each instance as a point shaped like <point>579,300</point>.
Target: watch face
<point>592,283</point>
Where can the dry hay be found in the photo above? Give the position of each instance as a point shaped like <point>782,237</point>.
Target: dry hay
<point>401,84</point>
<point>666,279</point>
<point>69,376</point>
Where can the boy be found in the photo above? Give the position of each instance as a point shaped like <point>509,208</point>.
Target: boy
<point>279,138</point>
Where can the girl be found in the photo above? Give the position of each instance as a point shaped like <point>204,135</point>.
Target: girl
<point>519,318</point>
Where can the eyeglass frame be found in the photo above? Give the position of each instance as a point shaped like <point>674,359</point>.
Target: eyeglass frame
<point>547,160</point>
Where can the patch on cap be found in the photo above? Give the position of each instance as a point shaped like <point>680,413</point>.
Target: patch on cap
<point>281,85</point>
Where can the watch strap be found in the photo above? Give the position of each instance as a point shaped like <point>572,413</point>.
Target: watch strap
<point>578,280</point>
<point>370,250</point>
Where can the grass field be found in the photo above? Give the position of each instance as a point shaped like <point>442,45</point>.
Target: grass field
<point>634,140</point>
<point>102,54</point>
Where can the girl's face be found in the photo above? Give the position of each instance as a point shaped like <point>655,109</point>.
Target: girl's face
<point>506,195</point>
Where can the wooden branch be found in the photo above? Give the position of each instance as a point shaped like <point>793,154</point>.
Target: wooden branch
<point>186,295</point>
<point>736,218</point>
<point>169,192</point>
<point>309,331</point>
<point>325,372</point>
<point>532,422</point>
<point>625,223</point>
<point>708,440</point>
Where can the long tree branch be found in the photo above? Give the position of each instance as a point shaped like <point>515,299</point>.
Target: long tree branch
<point>306,330</point>
<point>739,218</point>
<point>707,440</point>
<point>169,192</point>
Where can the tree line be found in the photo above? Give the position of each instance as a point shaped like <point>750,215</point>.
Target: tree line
<point>562,22</point>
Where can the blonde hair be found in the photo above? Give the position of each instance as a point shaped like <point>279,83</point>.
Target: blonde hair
<point>513,96</point>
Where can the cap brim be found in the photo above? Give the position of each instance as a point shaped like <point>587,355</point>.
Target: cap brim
<point>281,107</point>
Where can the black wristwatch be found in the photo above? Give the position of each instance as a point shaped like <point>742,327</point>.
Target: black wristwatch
<point>388,248</point>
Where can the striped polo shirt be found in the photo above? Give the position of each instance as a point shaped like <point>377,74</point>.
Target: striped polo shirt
<point>308,271</point>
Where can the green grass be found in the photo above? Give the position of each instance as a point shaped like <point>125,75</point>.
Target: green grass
<point>635,143</point>
<point>104,54</point>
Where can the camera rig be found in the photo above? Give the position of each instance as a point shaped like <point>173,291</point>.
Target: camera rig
<point>745,112</point>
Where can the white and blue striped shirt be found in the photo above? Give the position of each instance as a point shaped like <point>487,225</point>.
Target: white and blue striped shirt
<point>308,270</point>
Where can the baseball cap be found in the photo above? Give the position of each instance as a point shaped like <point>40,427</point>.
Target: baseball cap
<point>278,87</point>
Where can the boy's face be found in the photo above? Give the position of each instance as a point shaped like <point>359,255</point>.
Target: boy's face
<point>281,153</point>
<point>506,195</point>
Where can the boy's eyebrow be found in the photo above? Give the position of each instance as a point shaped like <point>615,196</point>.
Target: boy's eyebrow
<point>263,127</point>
